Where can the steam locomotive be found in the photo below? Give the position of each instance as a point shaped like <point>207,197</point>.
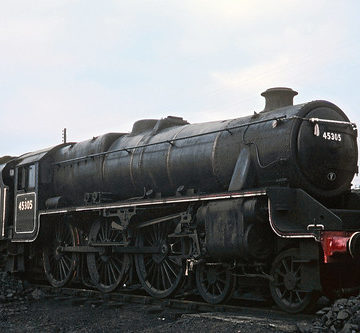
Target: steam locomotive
<point>217,207</point>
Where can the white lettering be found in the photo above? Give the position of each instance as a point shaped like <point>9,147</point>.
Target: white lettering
<point>25,205</point>
<point>331,136</point>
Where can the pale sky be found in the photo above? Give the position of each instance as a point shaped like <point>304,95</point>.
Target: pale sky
<point>98,66</point>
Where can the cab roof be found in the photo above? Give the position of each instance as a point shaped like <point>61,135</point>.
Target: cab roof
<point>38,155</point>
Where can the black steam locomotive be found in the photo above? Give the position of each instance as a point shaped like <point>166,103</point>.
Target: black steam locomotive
<point>259,202</point>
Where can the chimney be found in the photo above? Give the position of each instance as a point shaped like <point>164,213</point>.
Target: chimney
<point>278,97</point>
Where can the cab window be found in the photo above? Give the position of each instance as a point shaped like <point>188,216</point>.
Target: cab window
<point>31,177</point>
<point>26,178</point>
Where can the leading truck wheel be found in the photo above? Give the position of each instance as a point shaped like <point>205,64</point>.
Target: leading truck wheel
<point>285,288</point>
<point>60,266</point>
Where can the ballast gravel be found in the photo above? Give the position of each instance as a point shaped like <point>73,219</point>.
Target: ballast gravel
<point>27,309</point>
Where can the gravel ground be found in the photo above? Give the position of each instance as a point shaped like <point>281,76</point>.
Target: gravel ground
<point>24,309</point>
<point>30,310</point>
<point>50,315</point>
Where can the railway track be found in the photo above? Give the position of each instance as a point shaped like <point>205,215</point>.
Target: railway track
<point>126,309</point>
<point>247,309</point>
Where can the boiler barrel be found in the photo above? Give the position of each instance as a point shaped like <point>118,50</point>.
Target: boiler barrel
<point>204,163</point>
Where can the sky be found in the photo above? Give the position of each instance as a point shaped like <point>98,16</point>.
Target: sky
<point>98,66</point>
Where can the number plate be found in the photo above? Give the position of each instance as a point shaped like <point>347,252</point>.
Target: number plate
<point>332,136</point>
<point>25,213</point>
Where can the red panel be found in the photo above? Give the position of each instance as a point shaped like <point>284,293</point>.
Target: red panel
<point>334,242</point>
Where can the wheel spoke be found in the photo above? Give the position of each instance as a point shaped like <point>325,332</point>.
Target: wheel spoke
<point>62,269</point>
<point>167,274</point>
<point>112,272</point>
<point>105,227</point>
<point>156,232</point>
<point>158,277</point>
<point>213,289</point>
<point>279,273</point>
<point>102,234</point>
<point>284,263</point>
<point>222,281</point>
<point>291,265</point>
<point>65,264</point>
<point>279,284</point>
<point>164,231</point>
<point>170,268</point>
<point>164,287</point>
<point>109,274</point>
<point>283,294</point>
<point>151,270</point>
<point>116,263</point>
<point>218,288</point>
<point>175,261</point>
<point>298,296</point>
<point>291,296</point>
<point>147,239</point>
